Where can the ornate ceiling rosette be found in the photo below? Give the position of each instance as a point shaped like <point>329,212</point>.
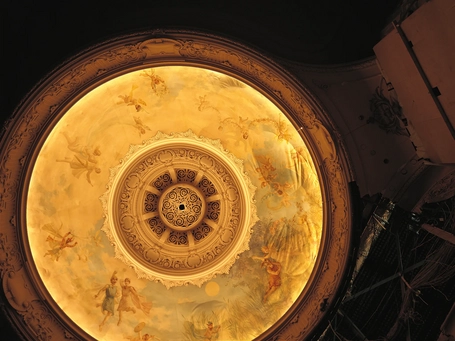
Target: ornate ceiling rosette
<point>179,209</point>
<point>174,214</point>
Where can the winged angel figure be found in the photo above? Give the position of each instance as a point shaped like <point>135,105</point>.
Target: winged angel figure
<point>197,334</point>
<point>83,160</point>
<point>57,241</point>
<point>131,100</point>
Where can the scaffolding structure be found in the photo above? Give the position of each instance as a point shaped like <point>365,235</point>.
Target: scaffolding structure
<point>404,274</point>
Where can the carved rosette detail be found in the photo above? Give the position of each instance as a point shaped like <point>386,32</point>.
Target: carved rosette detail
<point>179,209</point>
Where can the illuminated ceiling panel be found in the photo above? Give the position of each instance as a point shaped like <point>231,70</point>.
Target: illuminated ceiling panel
<point>174,186</point>
<point>156,247</point>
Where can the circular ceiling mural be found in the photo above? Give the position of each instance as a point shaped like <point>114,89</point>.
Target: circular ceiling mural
<point>179,207</point>
<point>175,199</point>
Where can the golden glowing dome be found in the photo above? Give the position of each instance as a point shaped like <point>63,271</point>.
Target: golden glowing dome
<point>176,184</point>
<point>151,164</point>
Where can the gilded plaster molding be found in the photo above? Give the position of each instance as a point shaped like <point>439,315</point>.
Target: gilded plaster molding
<point>198,212</point>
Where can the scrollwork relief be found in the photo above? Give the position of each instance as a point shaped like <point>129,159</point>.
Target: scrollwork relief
<point>387,113</point>
<point>10,259</point>
<point>192,205</point>
<point>40,321</point>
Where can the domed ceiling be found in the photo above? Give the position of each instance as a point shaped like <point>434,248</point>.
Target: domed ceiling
<point>172,187</point>
<point>186,200</point>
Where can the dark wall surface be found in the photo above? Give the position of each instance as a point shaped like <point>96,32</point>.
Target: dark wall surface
<point>38,36</point>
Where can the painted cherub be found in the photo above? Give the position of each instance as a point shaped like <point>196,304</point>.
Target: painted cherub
<point>81,150</point>
<point>273,269</point>
<point>211,333</point>
<point>57,241</point>
<point>57,246</point>
<point>80,166</point>
<point>141,127</point>
<point>130,100</point>
<point>157,83</point>
<point>83,160</point>
<point>131,300</point>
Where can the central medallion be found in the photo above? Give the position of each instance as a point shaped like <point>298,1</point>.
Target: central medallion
<point>182,207</point>
<point>179,209</point>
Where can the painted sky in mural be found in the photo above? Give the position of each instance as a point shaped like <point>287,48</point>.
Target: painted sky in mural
<point>74,257</point>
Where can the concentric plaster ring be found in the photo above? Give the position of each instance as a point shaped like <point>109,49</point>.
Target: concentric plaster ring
<point>179,209</point>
